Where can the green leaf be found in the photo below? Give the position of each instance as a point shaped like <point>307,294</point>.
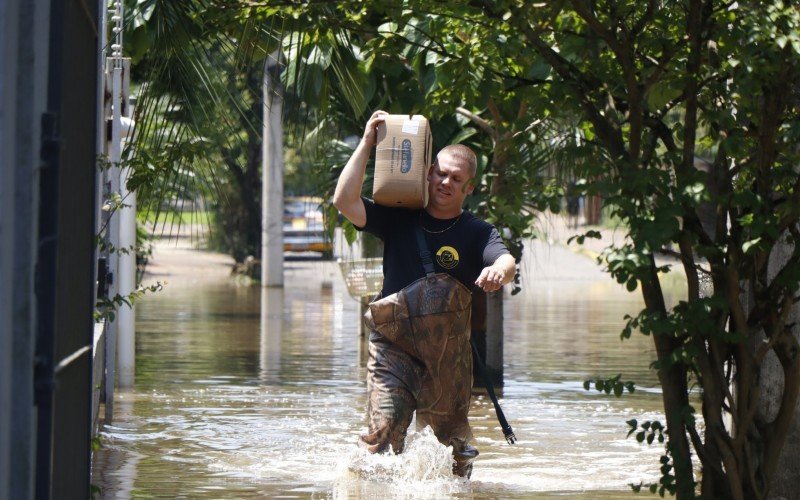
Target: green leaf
<point>593,234</point>
<point>662,93</point>
<point>463,135</point>
<point>350,232</point>
<point>387,29</point>
<point>751,245</point>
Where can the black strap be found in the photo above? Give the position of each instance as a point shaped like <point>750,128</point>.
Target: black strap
<point>427,261</point>
<point>427,264</point>
<point>508,432</point>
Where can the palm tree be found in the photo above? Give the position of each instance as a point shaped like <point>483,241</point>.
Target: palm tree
<point>200,104</point>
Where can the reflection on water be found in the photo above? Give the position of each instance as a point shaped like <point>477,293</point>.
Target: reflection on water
<point>271,335</point>
<point>242,393</point>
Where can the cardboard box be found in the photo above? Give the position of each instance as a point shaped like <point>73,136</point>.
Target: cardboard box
<point>402,159</point>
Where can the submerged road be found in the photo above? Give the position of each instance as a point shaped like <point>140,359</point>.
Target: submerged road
<point>248,393</point>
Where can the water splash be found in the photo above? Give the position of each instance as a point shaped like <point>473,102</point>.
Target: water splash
<point>423,470</point>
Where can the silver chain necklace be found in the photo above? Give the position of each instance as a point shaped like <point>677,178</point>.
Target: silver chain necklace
<point>443,230</point>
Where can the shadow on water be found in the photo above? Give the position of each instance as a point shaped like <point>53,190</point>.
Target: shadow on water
<point>242,393</point>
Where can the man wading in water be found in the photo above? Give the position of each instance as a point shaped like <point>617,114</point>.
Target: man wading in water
<point>419,351</point>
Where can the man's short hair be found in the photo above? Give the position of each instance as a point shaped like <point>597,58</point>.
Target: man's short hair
<point>463,153</point>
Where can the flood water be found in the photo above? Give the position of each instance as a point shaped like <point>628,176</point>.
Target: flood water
<point>244,393</point>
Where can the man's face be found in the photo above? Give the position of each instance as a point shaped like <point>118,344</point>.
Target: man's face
<point>449,183</point>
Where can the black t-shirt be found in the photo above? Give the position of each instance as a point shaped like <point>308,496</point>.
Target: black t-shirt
<point>461,246</point>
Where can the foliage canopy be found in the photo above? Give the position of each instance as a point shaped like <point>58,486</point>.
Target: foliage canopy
<point>682,116</point>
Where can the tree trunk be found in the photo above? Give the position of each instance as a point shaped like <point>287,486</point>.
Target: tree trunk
<point>592,210</point>
<point>674,386</point>
<point>787,475</point>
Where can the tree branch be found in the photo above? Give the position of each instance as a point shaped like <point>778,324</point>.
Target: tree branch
<point>477,120</point>
<point>623,50</point>
<point>645,19</point>
<point>661,66</point>
<point>496,115</point>
<point>607,35</point>
<point>606,128</point>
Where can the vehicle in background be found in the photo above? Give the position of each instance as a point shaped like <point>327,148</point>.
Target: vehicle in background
<point>304,227</point>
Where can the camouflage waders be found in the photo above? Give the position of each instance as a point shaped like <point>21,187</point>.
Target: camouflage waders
<point>420,359</point>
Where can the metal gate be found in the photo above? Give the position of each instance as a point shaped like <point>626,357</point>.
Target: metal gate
<point>64,278</point>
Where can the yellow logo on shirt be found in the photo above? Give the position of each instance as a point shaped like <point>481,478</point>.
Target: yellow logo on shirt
<point>447,257</point>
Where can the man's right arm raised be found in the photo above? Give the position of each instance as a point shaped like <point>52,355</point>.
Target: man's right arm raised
<point>347,197</point>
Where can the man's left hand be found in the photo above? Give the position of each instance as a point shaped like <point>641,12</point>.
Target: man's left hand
<point>491,279</point>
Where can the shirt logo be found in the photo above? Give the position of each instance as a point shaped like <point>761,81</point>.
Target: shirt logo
<point>447,257</point>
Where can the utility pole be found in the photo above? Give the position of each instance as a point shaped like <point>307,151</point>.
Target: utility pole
<point>272,176</point>
<point>126,314</point>
<point>120,336</point>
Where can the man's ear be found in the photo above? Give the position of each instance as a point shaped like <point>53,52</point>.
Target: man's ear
<point>430,172</point>
<point>470,186</point>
